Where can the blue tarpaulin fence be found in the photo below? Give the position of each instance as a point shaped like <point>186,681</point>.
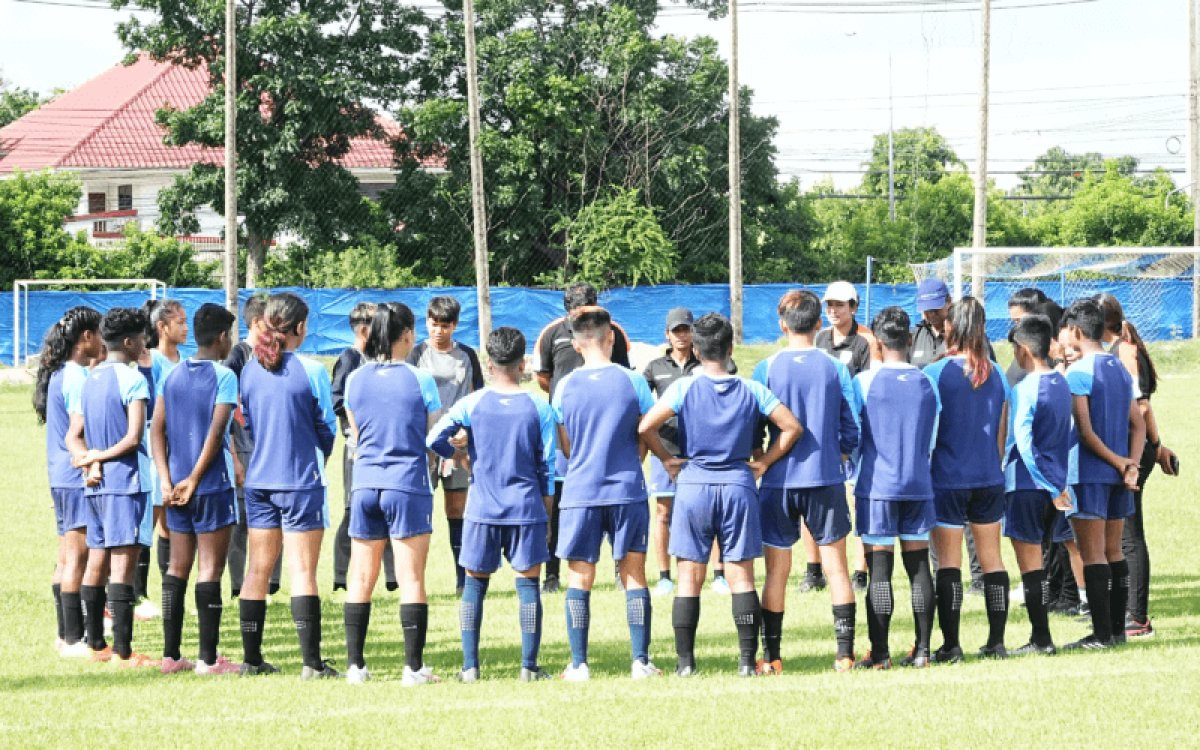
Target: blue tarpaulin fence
<point>1165,314</point>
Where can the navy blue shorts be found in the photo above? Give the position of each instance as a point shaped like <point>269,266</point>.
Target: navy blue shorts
<point>581,530</point>
<point>880,522</point>
<point>70,508</point>
<point>823,509</point>
<point>1029,514</point>
<point>115,520</point>
<point>955,508</point>
<point>204,514</point>
<point>380,514</point>
<point>728,513</point>
<point>524,546</point>
<point>660,483</point>
<point>1100,502</point>
<point>290,510</point>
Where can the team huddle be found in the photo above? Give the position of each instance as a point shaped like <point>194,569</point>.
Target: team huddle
<point>934,441</point>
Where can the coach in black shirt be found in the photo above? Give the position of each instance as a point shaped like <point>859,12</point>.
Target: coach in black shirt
<point>929,342</point>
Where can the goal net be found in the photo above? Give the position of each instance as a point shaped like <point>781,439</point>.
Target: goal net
<point>49,306</point>
<point>1157,286</point>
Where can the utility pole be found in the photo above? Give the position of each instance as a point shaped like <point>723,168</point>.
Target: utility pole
<point>891,149</point>
<point>231,230</point>
<point>735,181</point>
<point>979,233</point>
<point>483,293</point>
<point>1194,153</point>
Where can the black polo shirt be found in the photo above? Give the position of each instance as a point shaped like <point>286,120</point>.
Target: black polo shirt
<point>854,351</point>
<point>554,354</point>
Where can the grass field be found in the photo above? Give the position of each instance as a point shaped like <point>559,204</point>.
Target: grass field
<point>1139,696</point>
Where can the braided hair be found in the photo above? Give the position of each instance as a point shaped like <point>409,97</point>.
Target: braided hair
<point>56,350</point>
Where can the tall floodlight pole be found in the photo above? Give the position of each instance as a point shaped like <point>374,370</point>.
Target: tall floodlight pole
<point>483,293</point>
<point>891,149</point>
<point>735,181</point>
<point>979,232</point>
<point>231,233</point>
<point>1194,153</point>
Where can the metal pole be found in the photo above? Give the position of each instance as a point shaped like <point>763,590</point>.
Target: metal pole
<point>979,233</point>
<point>16,325</point>
<point>483,294</point>
<point>231,231</point>
<point>867,291</point>
<point>891,151</point>
<point>1194,153</point>
<point>735,181</point>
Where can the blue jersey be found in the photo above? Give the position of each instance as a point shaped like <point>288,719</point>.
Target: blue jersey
<point>391,403</point>
<point>511,442</point>
<point>899,417</point>
<point>63,398</point>
<point>967,453</point>
<point>289,412</point>
<point>107,393</point>
<point>820,392</point>
<point>600,407</point>
<point>190,392</point>
<point>1109,390</point>
<point>158,370</point>
<point>718,420</point>
<point>1039,434</point>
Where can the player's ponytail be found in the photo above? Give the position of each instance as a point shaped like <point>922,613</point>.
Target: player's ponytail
<point>56,350</point>
<point>967,335</point>
<point>391,321</point>
<point>1115,322</point>
<point>150,308</point>
<point>281,318</point>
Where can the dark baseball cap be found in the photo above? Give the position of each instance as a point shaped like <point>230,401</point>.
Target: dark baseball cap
<point>679,316</point>
<point>932,294</point>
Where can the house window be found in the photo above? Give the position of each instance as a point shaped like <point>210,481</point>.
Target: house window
<point>97,203</point>
<point>124,197</point>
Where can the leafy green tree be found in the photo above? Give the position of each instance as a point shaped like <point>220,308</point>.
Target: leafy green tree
<point>1059,172</point>
<point>143,255</point>
<point>617,241</point>
<point>1115,209</point>
<point>15,102</point>
<point>579,98</point>
<point>33,207</point>
<point>920,155</point>
<point>307,73</point>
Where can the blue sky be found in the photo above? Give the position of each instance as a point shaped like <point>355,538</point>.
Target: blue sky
<point>1108,76</point>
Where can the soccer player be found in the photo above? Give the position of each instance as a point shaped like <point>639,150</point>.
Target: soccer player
<point>854,346</point>
<point>1021,303</point>
<point>1121,338</point>
<point>894,492</point>
<point>113,407</point>
<point>715,496</point>
<point>69,346</point>
<point>288,408</point>
<point>243,447</point>
<point>678,361</point>
<point>968,486</point>
<point>347,362</point>
<point>598,407</point>
<point>1035,468</point>
<point>389,405</point>
<point>554,358</point>
<point>509,435</point>
<point>808,485</point>
<point>1102,475</point>
<point>189,434</point>
<point>456,370</point>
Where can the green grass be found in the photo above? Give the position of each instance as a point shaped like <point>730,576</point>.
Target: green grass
<point>1140,695</point>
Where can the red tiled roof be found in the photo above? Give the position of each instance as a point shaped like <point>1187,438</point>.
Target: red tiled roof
<point>108,123</point>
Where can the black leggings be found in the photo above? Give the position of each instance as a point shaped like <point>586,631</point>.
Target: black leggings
<point>1133,543</point>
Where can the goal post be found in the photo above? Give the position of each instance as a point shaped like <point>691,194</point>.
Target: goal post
<point>1159,285</point>
<point>21,302</point>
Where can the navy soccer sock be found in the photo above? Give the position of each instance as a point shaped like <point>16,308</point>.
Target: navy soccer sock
<point>578,608</point>
<point>529,596</point>
<point>470,617</point>
<point>637,614</point>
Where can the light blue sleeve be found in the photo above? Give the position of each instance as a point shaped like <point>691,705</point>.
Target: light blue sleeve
<point>1025,408</point>
<point>429,391</point>
<point>934,372</point>
<point>640,387</point>
<point>318,382</point>
<point>549,425</point>
<point>862,383</point>
<point>761,369</point>
<point>1079,377</point>
<point>133,386</point>
<point>557,403</point>
<point>850,422</point>
<point>347,399</point>
<point>672,398</point>
<point>456,417</point>
<point>767,401</point>
<point>937,405</point>
<point>72,388</point>
<point>227,385</point>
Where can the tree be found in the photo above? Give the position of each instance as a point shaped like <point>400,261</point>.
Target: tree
<point>307,71</point>
<point>1058,172</point>
<point>1115,209</point>
<point>15,102</point>
<point>33,207</point>
<point>579,99</point>
<point>617,241</point>
<point>919,154</point>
